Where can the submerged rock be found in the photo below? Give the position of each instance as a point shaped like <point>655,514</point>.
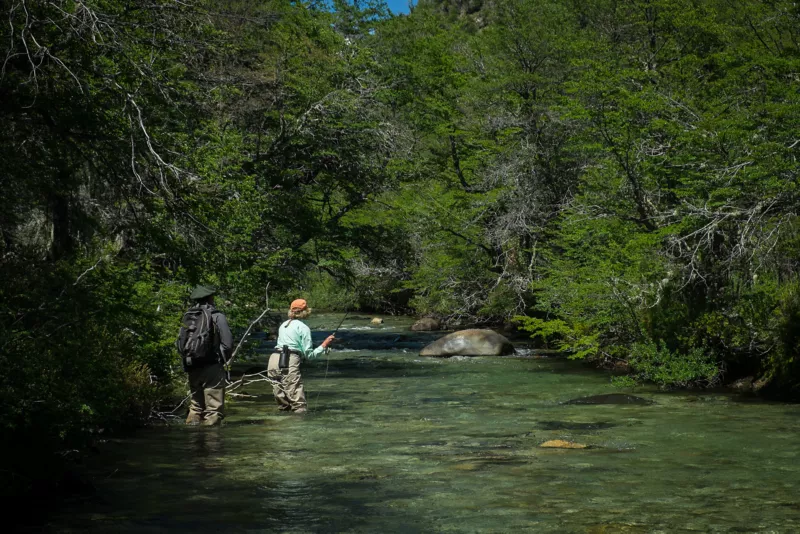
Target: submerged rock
<point>611,398</point>
<point>426,324</point>
<point>473,342</point>
<point>561,444</point>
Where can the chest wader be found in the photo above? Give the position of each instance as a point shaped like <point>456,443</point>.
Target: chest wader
<point>287,384</point>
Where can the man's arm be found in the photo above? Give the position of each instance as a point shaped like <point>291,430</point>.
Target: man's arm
<point>225,336</point>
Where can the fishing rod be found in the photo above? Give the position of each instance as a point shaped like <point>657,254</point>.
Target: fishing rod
<point>341,323</point>
<point>327,349</point>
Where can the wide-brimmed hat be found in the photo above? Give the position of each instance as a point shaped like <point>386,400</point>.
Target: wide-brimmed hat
<point>201,292</point>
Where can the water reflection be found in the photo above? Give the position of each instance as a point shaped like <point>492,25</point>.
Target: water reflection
<point>206,450</point>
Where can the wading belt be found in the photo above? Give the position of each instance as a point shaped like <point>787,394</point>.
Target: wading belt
<point>283,362</point>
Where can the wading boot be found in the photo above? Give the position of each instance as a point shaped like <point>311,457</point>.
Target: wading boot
<point>212,420</point>
<point>194,419</point>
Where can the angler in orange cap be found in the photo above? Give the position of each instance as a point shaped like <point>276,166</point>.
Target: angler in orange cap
<point>293,346</point>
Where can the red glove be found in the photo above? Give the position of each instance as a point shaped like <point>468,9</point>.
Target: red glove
<point>328,341</point>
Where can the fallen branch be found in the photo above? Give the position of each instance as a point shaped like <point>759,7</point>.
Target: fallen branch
<point>246,332</point>
<point>247,380</point>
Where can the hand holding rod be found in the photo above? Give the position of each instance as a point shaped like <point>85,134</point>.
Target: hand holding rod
<point>332,337</point>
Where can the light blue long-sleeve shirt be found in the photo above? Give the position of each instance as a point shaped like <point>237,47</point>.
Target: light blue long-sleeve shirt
<point>297,336</point>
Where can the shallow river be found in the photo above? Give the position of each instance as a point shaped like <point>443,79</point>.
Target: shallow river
<point>398,443</point>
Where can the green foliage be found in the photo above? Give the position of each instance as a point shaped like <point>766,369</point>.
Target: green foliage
<point>330,294</point>
<point>624,382</point>
<point>576,340</point>
<point>91,356</point>
<point>656,363</point>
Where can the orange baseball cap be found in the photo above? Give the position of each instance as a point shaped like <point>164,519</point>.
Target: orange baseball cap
<point>298,305</point>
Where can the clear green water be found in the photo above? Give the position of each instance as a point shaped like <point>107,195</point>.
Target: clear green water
<point>397,443</point>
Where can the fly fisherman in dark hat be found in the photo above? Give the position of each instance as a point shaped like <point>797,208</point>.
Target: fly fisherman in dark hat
<point>293,346</point>
<point>205,343</point>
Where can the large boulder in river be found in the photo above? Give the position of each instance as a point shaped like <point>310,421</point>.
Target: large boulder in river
<point>426,324</point>
<point>473,342</point>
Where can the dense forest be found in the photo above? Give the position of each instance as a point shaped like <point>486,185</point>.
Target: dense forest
<point>619,178</point>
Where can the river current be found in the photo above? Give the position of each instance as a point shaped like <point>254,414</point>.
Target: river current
<point>398,443</point>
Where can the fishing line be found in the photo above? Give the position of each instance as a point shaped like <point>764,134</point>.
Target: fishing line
<point>328,360</point>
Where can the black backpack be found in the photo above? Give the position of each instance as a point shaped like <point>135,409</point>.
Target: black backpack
<point>198,339</point>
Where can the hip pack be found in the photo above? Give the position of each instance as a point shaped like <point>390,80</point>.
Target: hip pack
<point>286,352</point>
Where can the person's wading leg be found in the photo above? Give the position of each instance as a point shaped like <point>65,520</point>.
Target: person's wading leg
<point>197,402</point>
<point>214,395</point>
<point>274,373</point>
<point>293,385</point>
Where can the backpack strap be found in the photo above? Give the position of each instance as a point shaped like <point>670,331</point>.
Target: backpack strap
<point>212,326</point>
